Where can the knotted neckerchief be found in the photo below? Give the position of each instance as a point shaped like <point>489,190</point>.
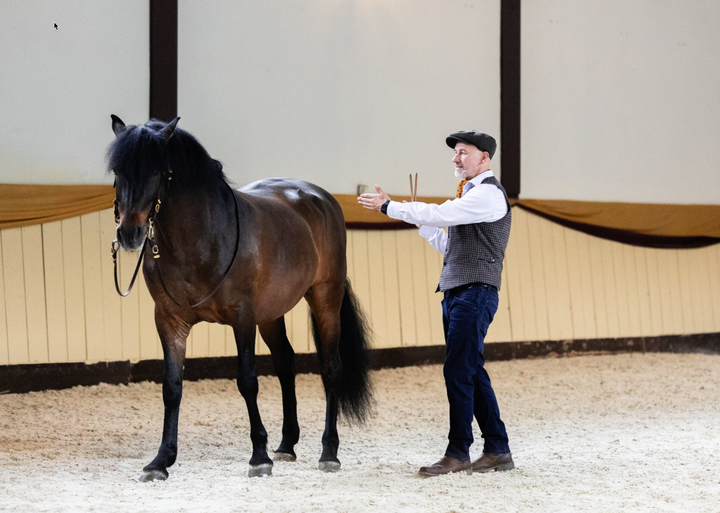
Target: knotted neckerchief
<point>460,187</point>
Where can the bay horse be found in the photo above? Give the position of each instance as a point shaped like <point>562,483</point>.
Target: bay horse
<point>242,258</point>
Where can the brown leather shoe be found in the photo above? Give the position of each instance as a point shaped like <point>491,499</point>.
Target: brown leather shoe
<point>493,463</point>
<point>446,465</point>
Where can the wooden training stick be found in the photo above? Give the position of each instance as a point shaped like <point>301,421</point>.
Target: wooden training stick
<point>413,190</point>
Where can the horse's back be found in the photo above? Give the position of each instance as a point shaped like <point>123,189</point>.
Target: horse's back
<point>307,199</point>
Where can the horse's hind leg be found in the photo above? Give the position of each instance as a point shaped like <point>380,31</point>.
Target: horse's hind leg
<point>275,336</point>
<point>325,301</point>
<point>173,335</point>
<point>260,463</point>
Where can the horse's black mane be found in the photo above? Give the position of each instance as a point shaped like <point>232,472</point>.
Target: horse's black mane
<point>140,152</point>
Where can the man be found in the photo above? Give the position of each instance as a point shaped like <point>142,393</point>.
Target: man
<point>478,222</point>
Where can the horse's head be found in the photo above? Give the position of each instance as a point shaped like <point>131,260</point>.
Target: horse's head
<point>138,159</point>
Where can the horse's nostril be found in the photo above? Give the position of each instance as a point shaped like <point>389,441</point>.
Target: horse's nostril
<point>131,237</point>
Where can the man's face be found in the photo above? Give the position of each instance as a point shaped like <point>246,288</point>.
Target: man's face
<point>468,159</point>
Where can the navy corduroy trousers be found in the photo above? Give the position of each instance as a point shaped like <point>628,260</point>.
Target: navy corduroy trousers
<point>467,314</point>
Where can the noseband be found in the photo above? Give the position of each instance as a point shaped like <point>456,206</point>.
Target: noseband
<point>150,240</point>
<point>149,235</point>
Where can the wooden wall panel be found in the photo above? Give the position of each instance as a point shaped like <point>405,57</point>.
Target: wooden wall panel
<point>376,278</point>
<point>35,294</point>
<point>539,285</point>
<point>15,300</point>
<point>58,301</point>
<point>692,266</point>
<point>514,282</point>
<point>54,285</point>
<point>72,255</point>
<point>4,357</point>
<point>35,305</point>
<point>525,327</point>
<point>92,280</point>
<point>655,299</point>
<point>669,291</point>
<point>641,293</point>
<point>608,273</point>
<point>423,289</point>
<point>582,300</point>
<point>557,286</point>
<point>689,300</point>
<point>112,347</point>
<point>407,286</point>
<point>599,287</point>
<point>703,264</point>
<point>433,266</point>
<point>622,275</point>
<point>391,288</point>
<point>713,274</point>
<point>216,338</point>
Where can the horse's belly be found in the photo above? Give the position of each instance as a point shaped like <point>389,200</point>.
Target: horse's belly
<point>272,303</point>
<point>283,288</point>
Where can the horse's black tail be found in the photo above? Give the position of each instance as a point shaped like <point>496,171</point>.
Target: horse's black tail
<point>354,388</point>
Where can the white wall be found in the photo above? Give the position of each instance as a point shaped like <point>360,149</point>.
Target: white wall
<point>59,87</point>
<point>339,92</point>
<point>621,100</point>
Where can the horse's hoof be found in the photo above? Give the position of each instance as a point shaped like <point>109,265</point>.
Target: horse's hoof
<point>329,466</point>
<point>153,475</point>
<point>284,456</point>
<point>262,470</point>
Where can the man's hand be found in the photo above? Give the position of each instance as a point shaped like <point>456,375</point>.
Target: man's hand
<point>373,201</point>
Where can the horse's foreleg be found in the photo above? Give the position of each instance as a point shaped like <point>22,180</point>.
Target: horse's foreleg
<point>173,335</point>
<point>260,463</point>
<point>275,336</point>
<point>325,305</point>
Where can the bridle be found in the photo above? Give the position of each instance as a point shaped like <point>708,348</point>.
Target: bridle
<point>150,240</point>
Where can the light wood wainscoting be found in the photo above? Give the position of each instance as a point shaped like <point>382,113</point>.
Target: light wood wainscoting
<point>58,302</point>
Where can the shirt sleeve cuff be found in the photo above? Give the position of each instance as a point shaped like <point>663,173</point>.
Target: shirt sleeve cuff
<point>393,210</point>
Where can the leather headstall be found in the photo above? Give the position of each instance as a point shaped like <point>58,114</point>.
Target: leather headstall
<point>150,240</point>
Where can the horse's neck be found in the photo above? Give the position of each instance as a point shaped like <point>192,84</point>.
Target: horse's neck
<point>196,221</point>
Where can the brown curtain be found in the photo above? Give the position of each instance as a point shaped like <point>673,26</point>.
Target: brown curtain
<point>24,205</point>
<point>634,223</point>
<point>642,224</point>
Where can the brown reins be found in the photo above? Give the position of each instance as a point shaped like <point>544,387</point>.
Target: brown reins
<point>150,239</point>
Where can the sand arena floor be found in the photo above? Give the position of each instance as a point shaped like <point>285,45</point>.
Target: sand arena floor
<point>631,432</point>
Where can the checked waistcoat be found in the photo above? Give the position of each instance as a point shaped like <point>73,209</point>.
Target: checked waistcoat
<point>475,252</point>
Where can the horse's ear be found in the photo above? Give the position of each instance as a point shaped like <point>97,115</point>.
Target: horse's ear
<point>117,125</point>
<point>169,129</point>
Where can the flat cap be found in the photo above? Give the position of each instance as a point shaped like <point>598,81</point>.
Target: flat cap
<point>483,142</point>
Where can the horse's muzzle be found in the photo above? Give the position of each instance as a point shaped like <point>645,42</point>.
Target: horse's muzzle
<point>131,235</point>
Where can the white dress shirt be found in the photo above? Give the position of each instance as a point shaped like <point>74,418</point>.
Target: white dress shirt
<point>484,203</point>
